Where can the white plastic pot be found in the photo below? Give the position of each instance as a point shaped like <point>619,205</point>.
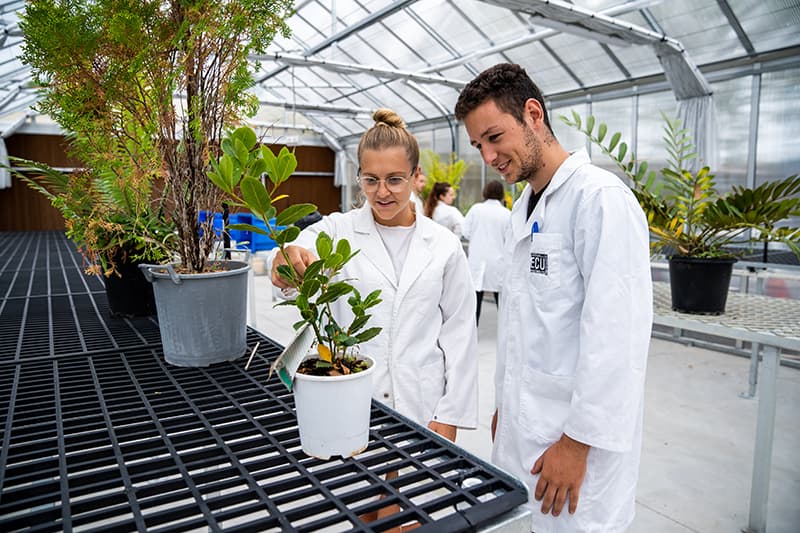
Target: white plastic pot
<point>333,412</point>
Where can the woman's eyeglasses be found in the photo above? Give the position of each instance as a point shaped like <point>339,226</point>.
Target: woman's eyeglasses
<point>392,183</point>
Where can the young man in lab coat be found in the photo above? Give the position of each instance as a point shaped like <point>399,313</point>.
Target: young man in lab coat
<point>575,319</point>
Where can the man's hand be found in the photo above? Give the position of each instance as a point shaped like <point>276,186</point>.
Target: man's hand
<point>300,259</point>
<point>562,467</point>
<point>445,430</point>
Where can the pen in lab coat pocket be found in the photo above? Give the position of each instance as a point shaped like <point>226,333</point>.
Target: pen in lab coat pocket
<point>534,229</point>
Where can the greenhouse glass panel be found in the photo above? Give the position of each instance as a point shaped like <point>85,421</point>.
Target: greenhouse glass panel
<point>650,145</point>
<point>317,15</point>
<point>498,23</point>
<point>617,115</point>
<point>449,27</point>
<point>542,67</point>
<point>472,183</point>
<point>570,138</point>
<point>769,25</point>
<point>778,154</point>
<point>732,118</point>
<point>302,31</point>
<point>701,27</point>
<point>586,58</point>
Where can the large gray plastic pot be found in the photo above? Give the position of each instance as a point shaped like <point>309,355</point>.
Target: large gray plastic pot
<point>202,317</point>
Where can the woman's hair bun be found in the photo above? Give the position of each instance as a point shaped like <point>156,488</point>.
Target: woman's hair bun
<point>388,117</point>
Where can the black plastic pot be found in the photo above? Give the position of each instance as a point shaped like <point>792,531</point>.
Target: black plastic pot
<point>699,285</point>
<point>129,294</point>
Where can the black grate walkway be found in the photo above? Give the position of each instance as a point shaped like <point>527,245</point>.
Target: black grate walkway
<point>98,432</point>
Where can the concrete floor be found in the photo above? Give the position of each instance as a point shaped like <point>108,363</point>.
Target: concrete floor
<point>699,434</point>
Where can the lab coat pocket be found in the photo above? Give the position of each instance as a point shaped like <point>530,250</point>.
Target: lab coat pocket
<point>544,404</point>
<point>544,266</point>
<point>419,390</point>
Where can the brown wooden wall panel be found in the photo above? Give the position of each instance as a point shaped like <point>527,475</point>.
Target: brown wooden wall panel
<point>317,190</point>
<point>23,209</point>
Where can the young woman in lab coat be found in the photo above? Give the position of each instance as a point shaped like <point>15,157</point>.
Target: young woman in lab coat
<point>426,355</point>
<point>439,207</point>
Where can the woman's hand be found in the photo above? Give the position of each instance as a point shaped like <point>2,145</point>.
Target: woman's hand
<point>300,259</point>
<point>445,430</point>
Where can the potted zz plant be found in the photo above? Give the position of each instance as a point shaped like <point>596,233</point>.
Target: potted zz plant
<point>692,222</point>
<point>175,73</point>
<point>332,384</point>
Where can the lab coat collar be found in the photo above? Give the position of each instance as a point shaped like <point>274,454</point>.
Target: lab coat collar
<point>521,226</point>
<point>371,245</point>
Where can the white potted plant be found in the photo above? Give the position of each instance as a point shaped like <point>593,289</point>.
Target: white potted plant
<point>332,385</point>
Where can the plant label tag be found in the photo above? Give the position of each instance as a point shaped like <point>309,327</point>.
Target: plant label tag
<point>289,360</point>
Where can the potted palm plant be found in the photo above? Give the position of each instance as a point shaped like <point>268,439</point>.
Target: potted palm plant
<point>692,222</point>
<point>176,73</point>
<point>332,384</point>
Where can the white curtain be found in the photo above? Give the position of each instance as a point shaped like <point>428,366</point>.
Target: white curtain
<point>5,174</point>
<point>697,116</point>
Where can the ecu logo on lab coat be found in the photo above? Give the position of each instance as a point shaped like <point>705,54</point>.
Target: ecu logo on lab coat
<point>538,263</point>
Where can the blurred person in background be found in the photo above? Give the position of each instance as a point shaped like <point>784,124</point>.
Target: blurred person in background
<point>439,207</point>
<point>417,186</point>
<point>485,227</point>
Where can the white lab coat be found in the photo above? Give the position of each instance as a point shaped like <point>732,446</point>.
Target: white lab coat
<point>449,217</point>
<point>485,226</point>
<point>573,337</point>
<point>419,208</point>
<point>427,354</point>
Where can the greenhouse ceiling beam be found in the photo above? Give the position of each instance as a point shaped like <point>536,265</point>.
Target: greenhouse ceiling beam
<point>571,18</point>
<point>373,18</point>
<point>683,75</point>
<point>351,68</point>
<point>322,108</point>
<point>532,37</point>
<point>737,26</point>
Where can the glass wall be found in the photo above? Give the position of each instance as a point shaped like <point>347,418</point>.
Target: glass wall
<point>569,137</point>
<point>778,149</point>
<point>617,115</point>
<point>732,111</point>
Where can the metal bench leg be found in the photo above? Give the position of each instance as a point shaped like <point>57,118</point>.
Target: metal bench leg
<point>752,379</point>
<point>765,431</point>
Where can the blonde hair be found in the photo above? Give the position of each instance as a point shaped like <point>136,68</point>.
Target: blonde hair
<point>389,131</point>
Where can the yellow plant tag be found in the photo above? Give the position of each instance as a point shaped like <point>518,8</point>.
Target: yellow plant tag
<point>324,352</point>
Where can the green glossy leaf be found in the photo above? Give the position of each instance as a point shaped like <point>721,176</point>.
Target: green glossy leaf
<point>343,248</point>
<point>293,213</point>
<point>334,261</point>
<point>368,334</point>
<point>286,272</point>
<point>324,245</point>
<point>255,196</point>
<point>247,136</point>
<point>287,235</point>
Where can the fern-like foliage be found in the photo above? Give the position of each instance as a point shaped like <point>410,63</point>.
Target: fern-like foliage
<point>685,211</point>
<point>108,218</point>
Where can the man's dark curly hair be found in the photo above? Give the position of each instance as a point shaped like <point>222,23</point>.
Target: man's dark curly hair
<point>508,85</point>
